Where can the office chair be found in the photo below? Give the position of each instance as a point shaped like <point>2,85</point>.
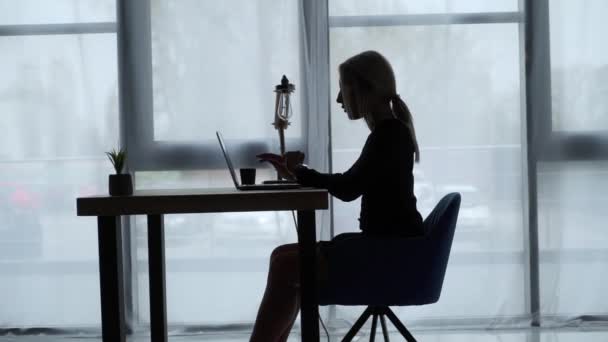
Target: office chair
<point>379,272</point>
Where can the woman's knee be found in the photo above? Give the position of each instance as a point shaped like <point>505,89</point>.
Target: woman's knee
<point>288,248</point>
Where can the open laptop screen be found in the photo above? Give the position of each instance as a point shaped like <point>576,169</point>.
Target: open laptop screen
<point>228,161</point>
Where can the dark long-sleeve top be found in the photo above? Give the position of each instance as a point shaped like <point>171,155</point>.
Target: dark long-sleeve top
<point>382,175</point>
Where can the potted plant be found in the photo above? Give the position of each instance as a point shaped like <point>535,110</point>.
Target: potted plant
<point>120,183</point>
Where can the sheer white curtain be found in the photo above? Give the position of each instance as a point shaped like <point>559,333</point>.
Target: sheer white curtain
<point>462,84</point>
<point>573,181</point>
<point>214,66</point>
<point>463,78</point>
<point>58,114</point>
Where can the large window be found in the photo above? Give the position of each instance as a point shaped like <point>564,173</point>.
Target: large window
<point>462,84</point>
<point>509,104</point>
<point>59,113</point>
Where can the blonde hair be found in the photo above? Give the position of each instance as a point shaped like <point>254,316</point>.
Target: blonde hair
<point>371,77</point>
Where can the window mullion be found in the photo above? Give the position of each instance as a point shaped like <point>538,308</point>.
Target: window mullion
<point>538,115</point>
<point>55,29</point>
<point>425,19</point>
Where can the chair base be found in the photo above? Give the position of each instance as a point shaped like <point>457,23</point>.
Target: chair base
<point>375,312</point>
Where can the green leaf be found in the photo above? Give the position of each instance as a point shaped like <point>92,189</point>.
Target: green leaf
<point>117,158</point>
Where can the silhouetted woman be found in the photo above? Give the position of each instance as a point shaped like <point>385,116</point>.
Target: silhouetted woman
<point>382,176</point>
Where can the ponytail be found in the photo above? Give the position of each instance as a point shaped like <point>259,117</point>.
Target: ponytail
<point>402,112</point>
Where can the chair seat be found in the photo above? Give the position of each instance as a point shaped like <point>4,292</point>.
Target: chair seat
<point>389,271</point>
<point>381,271</point>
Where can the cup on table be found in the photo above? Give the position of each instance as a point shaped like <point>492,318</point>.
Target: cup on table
<point>247,176</point>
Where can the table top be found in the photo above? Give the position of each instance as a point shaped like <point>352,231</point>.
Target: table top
<point>208,200</point>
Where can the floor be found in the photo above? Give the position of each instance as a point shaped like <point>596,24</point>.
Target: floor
<point>526,335</point>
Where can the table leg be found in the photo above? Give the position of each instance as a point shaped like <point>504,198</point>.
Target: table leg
<point>307,238</point>
<point>156,271</point>
<point>111,279</point>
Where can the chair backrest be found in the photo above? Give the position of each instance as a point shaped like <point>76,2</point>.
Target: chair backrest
<point>439,227</point>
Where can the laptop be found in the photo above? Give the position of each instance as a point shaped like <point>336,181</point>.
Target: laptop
<point>271,186</point>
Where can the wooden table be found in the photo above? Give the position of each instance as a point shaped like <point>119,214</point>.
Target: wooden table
<point>156,203</point>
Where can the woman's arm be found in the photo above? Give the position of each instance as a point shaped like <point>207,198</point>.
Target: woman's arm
<point>346,186</point>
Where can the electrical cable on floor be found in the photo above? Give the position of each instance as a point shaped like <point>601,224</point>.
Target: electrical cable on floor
<point>323,325</point>
<point>295,222</point>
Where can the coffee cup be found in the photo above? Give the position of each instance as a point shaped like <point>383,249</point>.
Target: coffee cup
<point>247,176</point>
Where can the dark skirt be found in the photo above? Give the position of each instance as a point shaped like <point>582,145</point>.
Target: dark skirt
<point>327,267</point>
<point>323,255</point>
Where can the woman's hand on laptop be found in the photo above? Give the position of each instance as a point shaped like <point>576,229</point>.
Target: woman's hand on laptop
<point>285,165</point>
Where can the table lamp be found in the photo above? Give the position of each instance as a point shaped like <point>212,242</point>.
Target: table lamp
<point>282,109</point>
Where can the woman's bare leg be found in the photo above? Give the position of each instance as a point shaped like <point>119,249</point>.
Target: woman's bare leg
<point>285,335</point>
<point>280,303</point>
